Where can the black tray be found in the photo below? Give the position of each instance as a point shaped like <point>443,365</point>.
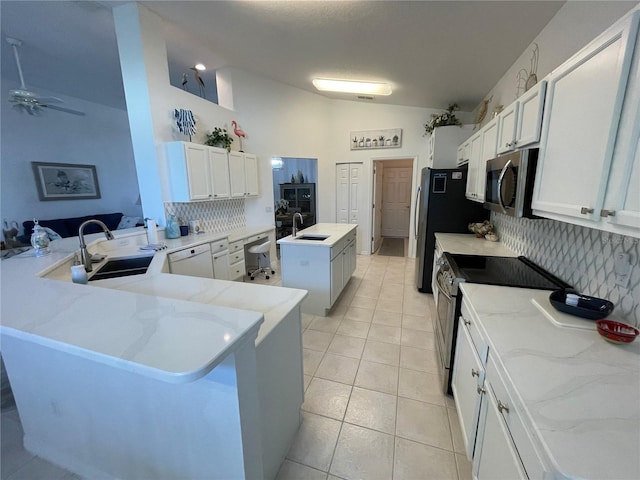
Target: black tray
<point>588,307</point>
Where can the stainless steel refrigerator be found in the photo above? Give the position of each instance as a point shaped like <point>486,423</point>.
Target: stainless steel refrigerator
<point>441,207</point>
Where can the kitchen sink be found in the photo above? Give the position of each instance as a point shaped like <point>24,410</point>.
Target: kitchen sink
<point>310,236</point>
<point>122,268</point>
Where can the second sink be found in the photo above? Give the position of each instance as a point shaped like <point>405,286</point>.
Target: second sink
<point>123,267</point>
<point>310,236</point>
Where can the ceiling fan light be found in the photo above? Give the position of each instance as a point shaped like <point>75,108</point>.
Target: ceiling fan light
<point>199,66</point>
<point>348,86</point>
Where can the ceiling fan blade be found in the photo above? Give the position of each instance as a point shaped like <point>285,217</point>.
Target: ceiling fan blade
<point>62,109</point>
<point>50,100</point>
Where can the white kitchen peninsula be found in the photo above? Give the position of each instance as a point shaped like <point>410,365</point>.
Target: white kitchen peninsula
<point>320,259</point>
<point>153,375</point>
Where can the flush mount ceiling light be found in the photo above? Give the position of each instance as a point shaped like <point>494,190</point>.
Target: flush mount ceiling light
<point>348,86</point>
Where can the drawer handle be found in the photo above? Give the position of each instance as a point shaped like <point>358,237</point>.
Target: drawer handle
<point>607,213</point>
<point>503,407</point>
<point>475,373</point>
<point>481,390</point>
<point>586,210</point>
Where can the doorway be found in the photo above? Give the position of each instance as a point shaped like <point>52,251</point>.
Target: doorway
<point>391,212</point>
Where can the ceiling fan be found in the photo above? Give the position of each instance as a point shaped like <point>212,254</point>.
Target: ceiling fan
<point>28,101</point>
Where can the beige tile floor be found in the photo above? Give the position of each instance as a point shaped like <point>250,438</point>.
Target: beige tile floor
<point>373,409</point>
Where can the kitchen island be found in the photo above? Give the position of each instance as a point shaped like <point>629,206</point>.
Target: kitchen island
<point>321,260</point>
<point>153,375</point>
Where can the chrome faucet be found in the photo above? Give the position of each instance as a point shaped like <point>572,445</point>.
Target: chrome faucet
<point>294,230</point>
<point>85,256</point>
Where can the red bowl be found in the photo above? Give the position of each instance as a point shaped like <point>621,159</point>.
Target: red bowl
<point>616,332</point>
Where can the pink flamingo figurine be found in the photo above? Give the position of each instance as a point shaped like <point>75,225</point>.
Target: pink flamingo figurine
<point>239,132</point>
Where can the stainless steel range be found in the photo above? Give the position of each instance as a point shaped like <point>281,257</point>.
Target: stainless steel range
<point>454,269</point>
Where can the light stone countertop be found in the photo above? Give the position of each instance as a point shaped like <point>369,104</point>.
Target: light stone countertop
<point>170,327</point>
<point>469,244</point>
<point>578,395</point>
<point>335,232</point>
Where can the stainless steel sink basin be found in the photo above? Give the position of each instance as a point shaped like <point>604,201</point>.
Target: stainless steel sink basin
<point>122,268</point>
<point>310,236</point>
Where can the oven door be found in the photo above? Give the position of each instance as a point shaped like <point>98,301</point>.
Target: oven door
<point>445,313</point>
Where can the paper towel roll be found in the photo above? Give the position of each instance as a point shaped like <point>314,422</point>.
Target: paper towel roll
<point>152,232</point>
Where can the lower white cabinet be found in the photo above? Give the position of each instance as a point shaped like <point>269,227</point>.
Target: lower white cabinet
<point>496,455</point>
<point>343,264</point>
<point>237,268</point>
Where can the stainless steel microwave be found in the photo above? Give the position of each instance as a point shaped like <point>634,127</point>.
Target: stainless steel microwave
<point>509,185</point>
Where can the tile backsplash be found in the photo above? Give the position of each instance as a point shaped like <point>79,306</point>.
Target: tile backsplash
<point>215,216</point>
<point>582,257</point>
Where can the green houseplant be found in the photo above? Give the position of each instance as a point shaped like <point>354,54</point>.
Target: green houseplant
<point>444,119</point>
<point>219,138</point>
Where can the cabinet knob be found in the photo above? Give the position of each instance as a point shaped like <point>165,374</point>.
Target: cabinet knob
<point>586,210</point>
<point>607,213</point>
<point>475,373</point>
<point>503,407</point>
<point>481,390</point>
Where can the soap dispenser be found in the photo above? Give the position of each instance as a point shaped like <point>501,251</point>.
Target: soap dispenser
<point>39,240</point>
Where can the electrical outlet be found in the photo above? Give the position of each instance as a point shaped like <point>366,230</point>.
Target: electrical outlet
<point>268,209</point>
<point>622,269</point>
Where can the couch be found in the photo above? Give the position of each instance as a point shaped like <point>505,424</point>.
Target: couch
<point>68,227</point>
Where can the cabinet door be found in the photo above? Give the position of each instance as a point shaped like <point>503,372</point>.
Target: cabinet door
<point>337,276</point>
<point>475,159</point>
<point>352,256</point>
<point>581,116</point>
<point>219,173</point>
<point>251,174</point>
<point>529,115</point>
<point>198,171</point>
<point>496,455</point>
<point>236,174</point>
<point>221,265</point>
<point>468,376</point>
<point>507,128</point>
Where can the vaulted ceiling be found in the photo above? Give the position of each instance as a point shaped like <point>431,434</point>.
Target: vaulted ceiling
<point>432,52</point>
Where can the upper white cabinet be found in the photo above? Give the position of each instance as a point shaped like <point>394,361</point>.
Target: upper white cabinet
<point>520,123</point>
<point>195,172</point>
<point>464,153</point>
<point>474,173</point>
<point>443,144</point>
<point>586,98</point>
<point>243,174</point>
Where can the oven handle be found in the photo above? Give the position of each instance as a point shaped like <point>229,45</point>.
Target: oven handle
<point>441,286</point>
<point>415,213</point>
<point>500,180</point>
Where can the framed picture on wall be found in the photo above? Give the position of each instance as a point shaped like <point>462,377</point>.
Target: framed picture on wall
<point>375,139</point>
<point>65,181</point>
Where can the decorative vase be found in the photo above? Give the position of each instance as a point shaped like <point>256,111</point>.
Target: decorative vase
<point>173,229</point>
<point>39,240</point>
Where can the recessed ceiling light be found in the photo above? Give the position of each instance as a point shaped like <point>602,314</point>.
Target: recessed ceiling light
<point>348,86</point>
<point>200,67</point>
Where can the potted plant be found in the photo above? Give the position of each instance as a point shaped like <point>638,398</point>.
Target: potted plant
<point>282,206</point>
<point>447,117</point>
<point>219,138</point>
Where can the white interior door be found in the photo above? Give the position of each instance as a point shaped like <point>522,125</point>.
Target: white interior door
<point>342,193</point>
<point>376,217</point>
<point>396,201</point>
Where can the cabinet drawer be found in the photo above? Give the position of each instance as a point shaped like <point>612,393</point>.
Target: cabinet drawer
<point>236,246</point>
<point>188,252</point>
<point>479,342</point>
<point>531,461</point>
<point>237,271</point>
<point>236,257</point>
<point>254,238</point>
<point>219,245</point>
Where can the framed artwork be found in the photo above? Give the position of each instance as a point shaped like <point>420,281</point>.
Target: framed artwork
<point>376,139</point>
<point>65,181</point>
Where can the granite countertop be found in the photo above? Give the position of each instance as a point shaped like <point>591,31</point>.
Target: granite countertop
<point>335,232</point>
<point>578,395</point>
<point>469,244</point>
<point>169,327</point>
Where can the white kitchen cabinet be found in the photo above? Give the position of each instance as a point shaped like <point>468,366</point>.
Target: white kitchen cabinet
<point>464,153</point>
<point>582,114</point>
<point>474,172</point>
<point>194,261</point>
<point>520,123</point>
<point>443,145</point>
<point>466,384</point>
<point>337,276</point>
<point>220,259</point>
<point>195,172</point>
<point>237,268</point>
<point>243,174</point>
<point>496,457</point>
<point>343,264</point>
